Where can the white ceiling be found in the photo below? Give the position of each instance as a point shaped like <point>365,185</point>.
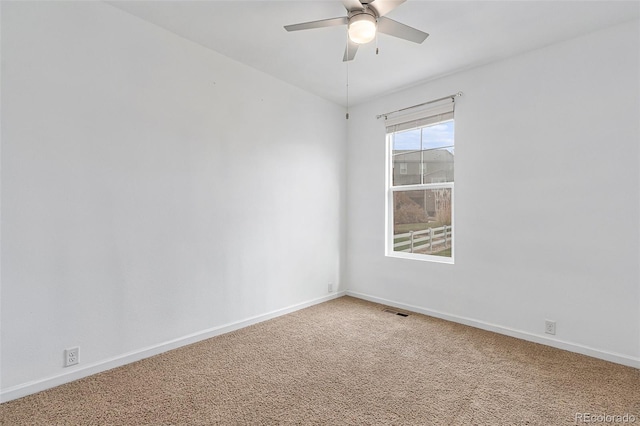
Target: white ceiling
<point>463,34</point>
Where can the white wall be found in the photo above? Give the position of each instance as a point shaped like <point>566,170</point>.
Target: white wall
<point>151,190</point>
<point>546,198</point>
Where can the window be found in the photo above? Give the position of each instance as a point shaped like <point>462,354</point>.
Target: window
<point>420,160</point>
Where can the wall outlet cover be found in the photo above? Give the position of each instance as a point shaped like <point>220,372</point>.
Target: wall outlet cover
<point>71,356</point>
<point>549,327</point>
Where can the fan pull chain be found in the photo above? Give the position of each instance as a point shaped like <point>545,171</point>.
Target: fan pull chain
<point>347,116</point>
<point>377,50</point>
<point>347,62</point>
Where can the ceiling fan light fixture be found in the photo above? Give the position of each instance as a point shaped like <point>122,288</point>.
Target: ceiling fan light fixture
<point>362,28</point>
<point>364,19</point>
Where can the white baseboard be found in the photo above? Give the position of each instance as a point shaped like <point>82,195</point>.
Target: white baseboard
<point>560,344</point>
<point>39,385</point>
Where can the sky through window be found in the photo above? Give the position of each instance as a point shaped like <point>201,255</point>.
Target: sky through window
<point>436,136</point>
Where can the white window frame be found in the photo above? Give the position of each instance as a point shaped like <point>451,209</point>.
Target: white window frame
<point>390,190</point>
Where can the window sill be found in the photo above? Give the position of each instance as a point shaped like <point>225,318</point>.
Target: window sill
<point>420,257</point>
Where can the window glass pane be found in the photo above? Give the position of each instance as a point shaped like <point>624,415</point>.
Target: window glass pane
<point>437,166</point>
<point>406,157</point>
<point>409,140</point>
<point>423,155</point>
<point>438,136</point>
<point>437,157</point>
<point>422,221</point>
<point>407,168</point>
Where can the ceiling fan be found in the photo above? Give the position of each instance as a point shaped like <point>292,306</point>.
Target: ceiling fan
<point>364,18</point>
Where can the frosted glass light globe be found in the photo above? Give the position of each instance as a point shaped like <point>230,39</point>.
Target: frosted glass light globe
<point>362,28</point>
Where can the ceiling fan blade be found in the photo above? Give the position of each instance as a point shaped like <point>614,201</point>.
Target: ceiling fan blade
<point>396,29</point>
<point>352,5</point>
<point>350,51</point>
<point>382,7</point>
<point>317,24</point>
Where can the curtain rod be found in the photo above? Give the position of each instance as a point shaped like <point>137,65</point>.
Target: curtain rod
<point>452,97</point>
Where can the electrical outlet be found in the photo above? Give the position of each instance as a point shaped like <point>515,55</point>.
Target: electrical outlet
<point>330,288</point>
<point>71,356</point>
<point>549,327</point>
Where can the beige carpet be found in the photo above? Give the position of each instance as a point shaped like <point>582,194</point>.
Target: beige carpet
<point>344,362</point>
